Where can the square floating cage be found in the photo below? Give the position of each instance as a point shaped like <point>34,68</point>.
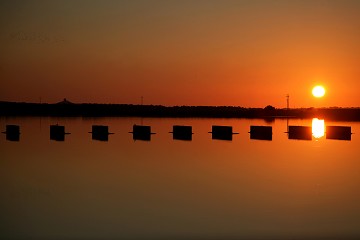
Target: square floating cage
<point>182,132</point>
<point>12,133</point>
<point>261,133</point>
<point>100,133</point>
<point>13,129</point>
<point>338,133</point>
<point>300,133</point>
<point>141,132</point>
<point>57,133</point>
<point>222,132</point>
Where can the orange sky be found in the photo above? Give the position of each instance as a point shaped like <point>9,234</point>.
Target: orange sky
<point>238,53</point>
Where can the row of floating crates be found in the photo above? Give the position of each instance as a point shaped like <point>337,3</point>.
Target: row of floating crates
<point>332,132</point>
<point>140,132</point>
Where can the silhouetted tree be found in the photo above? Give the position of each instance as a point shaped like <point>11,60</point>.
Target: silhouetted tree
<point>269,108</point>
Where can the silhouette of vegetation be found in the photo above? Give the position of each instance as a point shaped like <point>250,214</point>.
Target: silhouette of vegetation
<point>269,108</point>
<point>129,110</point>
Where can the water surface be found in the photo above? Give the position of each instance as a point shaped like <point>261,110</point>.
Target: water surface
<point>165,188</point>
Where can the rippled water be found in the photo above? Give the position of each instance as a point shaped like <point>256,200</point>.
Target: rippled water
<point>209,189</point>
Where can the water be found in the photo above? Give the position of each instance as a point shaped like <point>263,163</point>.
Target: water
<point>171,189</point>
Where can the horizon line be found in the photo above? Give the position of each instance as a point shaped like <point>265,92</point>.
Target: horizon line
<point>65,101</point>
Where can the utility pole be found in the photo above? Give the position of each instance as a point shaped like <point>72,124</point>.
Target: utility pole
<point>287,101</point>
<point>40,115</point>
<point>142,102</point>
<point>287,109</point>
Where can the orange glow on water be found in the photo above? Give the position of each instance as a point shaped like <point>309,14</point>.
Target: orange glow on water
<point>318,128</point>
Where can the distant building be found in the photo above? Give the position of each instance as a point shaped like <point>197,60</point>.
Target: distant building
<point>65,101</point>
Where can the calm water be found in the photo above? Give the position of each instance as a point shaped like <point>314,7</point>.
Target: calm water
<point>170,189</point>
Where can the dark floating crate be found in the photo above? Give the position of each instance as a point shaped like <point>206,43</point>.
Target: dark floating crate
<point>100,133</point>
<point>300,133</point>
<point>222,132</point>
<point>261,133</point>
<point>338,132</point>
<point>12,133</point>
<point>182,132</point>
<point>141,132</point>
<point>57,133</point>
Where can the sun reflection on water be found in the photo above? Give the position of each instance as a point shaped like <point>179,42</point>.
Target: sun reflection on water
<point>318,128</point>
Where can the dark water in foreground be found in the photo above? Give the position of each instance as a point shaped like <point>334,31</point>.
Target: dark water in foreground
<point>170,189</point>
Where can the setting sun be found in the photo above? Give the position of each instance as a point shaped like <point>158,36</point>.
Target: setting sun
<point>318,91</point>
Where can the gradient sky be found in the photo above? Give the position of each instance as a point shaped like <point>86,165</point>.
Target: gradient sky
<point>196,52</point>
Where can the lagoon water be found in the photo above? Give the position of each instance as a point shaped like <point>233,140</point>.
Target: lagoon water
<point>171,189</point>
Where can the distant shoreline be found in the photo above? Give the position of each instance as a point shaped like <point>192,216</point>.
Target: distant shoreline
<point>67,109</point>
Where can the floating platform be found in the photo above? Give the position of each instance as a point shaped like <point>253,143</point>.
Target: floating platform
<point>100,133</point>
<point>300,133</point>
<point>182,133</point>
<point>261,133</point>
<point>338,133</point>
<point>222,132</point>
<point>12,133</point>
<point>141,132</point>
<point>57,133</point>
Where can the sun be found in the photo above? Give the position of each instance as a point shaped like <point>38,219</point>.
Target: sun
<point>318,91</point>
